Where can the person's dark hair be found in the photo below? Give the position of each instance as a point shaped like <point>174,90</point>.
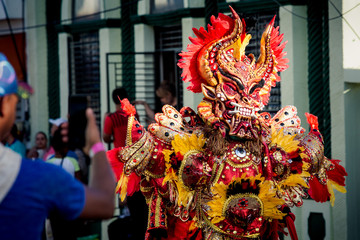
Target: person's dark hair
<point>165,88</point>
<point>14,131</point>
<point>121,92</point>
<point>41,132</point>
<point>57,142</point>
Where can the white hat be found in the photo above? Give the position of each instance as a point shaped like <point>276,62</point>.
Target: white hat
<point>57,121</point>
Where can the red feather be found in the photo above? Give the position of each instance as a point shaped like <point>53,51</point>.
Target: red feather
<point>278,48</point>
<point>127,107</point>
<point>133,184</point>
<point>338,173</point>
<point>219,27</point>
<point>116,165</point>
<point>318,191</point>
<point>312,120</point>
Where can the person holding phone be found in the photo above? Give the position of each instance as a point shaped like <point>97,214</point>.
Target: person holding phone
<point>31,190</point>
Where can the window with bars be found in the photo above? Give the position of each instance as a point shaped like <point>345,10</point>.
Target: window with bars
<point>84,68</point>
<point>256,24</point>
<point>168,46</point>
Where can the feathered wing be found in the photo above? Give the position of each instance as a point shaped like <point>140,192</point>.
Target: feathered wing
<point>327,174</point>
<point>271,60</point>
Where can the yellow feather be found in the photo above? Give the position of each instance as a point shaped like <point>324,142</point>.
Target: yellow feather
<point>186,143</point>
<point>332,195</point>
<point>331,185</point>
<point>286,142</point>
<point>122,185</point>
<point>294,180</point>
<point>217,203</point>
<point>270,201</point>
<point>341,189</point>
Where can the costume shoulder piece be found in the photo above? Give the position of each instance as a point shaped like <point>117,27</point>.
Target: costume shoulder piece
<point>227,171</point>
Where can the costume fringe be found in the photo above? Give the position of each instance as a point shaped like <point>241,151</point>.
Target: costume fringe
<point>215,141</point>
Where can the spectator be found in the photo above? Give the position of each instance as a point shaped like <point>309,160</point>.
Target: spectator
<point>12,141</point>
<point>166,93</point>
<point>41,146</point>
<point>31,190</point>
<point>115,128</point>
<point>61,158</point>
<point>115,124</point>
<point>55,123</point>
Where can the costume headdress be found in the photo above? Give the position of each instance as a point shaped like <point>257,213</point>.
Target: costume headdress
<point>220,53</point>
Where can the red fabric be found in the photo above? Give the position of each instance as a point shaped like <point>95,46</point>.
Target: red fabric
<point>116,125</point>
<point>318,191</point>
<point>178,229</point>
<point>290,219</point>
<point>270,230</point>
<point>115,164</point>
<point>338,174</point>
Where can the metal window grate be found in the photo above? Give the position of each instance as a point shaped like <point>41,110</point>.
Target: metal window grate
<point>144,77</point>
<point>168,38</point>
<point>168,45</point>
<point>84,70</point>
<point>256,31</point>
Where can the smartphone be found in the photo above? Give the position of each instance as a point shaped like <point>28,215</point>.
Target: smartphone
<point>77,120</point>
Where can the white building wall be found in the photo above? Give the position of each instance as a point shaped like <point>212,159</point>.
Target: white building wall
<point>294,80</point>
<point>338,136</point>
<point>36,51</point>
<point>345,112</point>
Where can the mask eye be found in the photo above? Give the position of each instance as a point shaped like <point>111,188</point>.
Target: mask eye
<point>256,86</point>
<point>230,89</point>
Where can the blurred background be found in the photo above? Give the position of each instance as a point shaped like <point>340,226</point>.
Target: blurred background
<point>68,47</point>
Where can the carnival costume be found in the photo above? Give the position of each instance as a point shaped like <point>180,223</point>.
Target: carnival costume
<point>227,171</point>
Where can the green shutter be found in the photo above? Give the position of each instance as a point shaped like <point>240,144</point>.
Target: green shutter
<point>318,69</point>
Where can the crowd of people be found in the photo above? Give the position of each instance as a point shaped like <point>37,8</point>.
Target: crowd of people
<point>32,190</point>
<point>54,184</point>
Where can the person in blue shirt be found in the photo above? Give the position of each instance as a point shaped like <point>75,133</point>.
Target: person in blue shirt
<point>13,142</point>
<point>32,190</point>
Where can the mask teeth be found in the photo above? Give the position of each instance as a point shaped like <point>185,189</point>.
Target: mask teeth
<point>243,111</point>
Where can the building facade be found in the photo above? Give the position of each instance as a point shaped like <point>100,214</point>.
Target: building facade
<point>93,46</point>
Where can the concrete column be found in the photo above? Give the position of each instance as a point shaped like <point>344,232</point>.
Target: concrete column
<point>36,52</point>
<point>190,99</point>
<point>294,84</point>
<point>144,42</point>
<point>63,74</point>
<point>109,41</point>
<point>338,138</point>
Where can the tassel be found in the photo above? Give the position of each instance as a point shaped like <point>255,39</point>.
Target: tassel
<point>290,219</point>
